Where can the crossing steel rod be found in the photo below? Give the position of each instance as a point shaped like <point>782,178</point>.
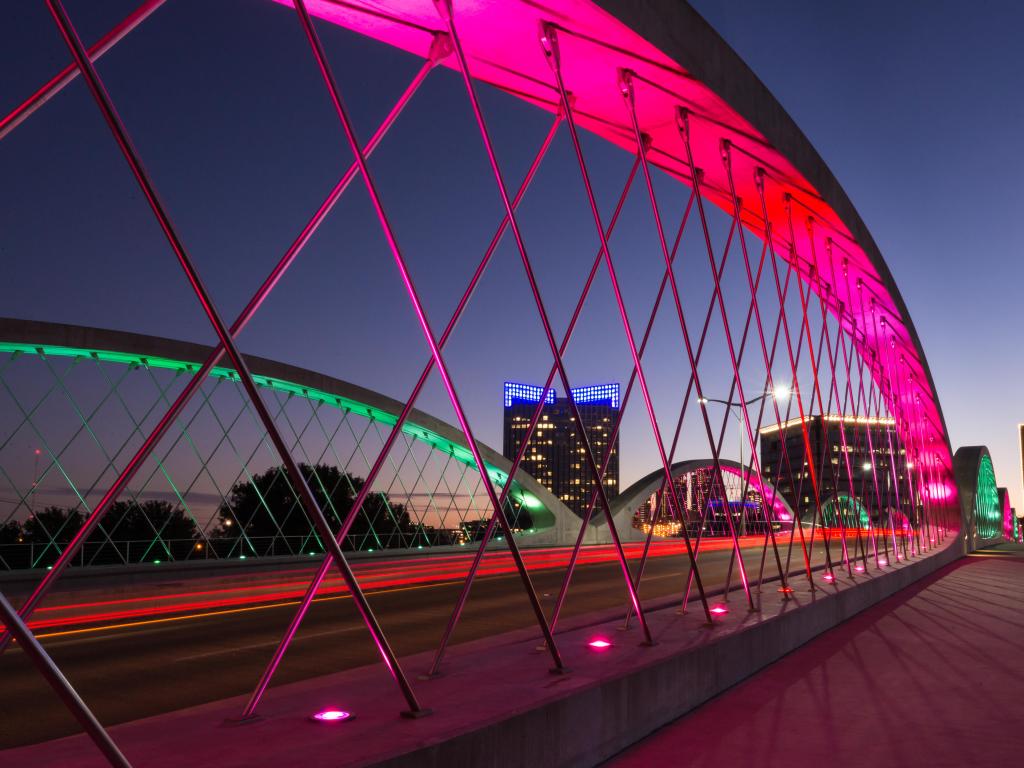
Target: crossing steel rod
<point>825,351</point>
<point>850,398</point>
<point>549,44</point>
<point>876,399</point>
<point>396,429</point>
<point>815,362</point>
<point>56,680</point>
<point>444,9</point>
<point>616,428</point>
<point>782,322</point>
<point>402,417</point>
<point>753,285</point>
<point>629,95</point>
<point>431,339</point>
<point>438,51</point>
<point>56,84</point>
<point>736,225</point>
<point>298,481</point>
<point>858,400</point>
<point>824,296</point>
<point>682,413</point>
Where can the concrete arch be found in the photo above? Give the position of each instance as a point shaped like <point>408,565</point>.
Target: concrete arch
<point>1009,516</point>
<point>682,62</point>
<point>554,522</point>
<point>848,509</point>
<point>980,504</point>
<point>626,503</point>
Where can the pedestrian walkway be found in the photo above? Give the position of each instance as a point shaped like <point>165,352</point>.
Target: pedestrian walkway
<point>933,676</point>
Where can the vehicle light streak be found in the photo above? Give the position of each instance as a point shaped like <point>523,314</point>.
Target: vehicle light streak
<point>378,576</point>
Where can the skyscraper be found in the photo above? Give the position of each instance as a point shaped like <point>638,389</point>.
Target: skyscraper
<point>555,456</point>
<point>862,450</point>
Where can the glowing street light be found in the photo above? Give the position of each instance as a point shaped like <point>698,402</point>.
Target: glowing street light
<point>782,392</point>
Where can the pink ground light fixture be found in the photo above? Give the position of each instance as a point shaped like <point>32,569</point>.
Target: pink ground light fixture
<point>331,716</point>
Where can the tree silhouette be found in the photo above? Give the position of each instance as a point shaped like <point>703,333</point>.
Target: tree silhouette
<point>267,507</point>
<point>131,521</point>
<point>52,524</point>
<point>151,530</point>
<point>10,532</point>
<point>13,552</point>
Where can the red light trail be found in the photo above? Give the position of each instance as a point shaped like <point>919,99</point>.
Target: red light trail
<point>290,583</point>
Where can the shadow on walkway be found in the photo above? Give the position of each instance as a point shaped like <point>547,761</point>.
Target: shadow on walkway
<point>932,676</point>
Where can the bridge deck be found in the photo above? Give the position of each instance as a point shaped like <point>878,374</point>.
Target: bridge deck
<point>931,676</point>
<point>524,715</point>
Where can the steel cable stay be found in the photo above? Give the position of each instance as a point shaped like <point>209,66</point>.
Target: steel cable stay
<point>626,87</point>
<point>851,369</point>
<point>438,50</point>
<point>396,429</point>
<point>226,337</point>
<point>444,9</point>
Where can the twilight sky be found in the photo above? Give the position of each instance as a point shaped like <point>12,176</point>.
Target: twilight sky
<point>912,105</point>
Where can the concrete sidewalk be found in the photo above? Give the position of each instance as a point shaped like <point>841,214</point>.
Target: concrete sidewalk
<point>931,676</point>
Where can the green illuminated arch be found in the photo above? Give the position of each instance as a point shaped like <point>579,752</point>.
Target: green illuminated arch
<point>843,511</point>
<point>49,341</point>
<point>987,511</point>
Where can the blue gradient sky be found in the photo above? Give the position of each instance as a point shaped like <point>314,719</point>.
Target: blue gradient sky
<point>912,105</point>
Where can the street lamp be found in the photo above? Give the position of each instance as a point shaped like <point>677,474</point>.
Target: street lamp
<point>777,393</point>
<point>782,392</point>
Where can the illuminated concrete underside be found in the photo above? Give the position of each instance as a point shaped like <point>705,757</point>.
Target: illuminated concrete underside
<point>679,60</point>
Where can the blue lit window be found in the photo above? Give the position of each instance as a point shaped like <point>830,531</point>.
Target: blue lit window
<point>596,393</point>
<point>527,393</point>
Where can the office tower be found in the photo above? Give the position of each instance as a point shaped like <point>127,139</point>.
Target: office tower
<point>555,456</point>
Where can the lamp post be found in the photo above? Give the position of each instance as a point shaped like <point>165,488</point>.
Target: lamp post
<point>780,392</point>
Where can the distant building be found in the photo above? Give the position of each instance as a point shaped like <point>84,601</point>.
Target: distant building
<point>700,499</point>
<point>786,464</point>
<point>555,456</point>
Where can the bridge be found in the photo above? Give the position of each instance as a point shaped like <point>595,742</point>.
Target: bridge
<point>177,511</point>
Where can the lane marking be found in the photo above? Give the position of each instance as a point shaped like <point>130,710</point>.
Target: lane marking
<point>206,614</point>
<point>269,643</point>
<point>249,609</point>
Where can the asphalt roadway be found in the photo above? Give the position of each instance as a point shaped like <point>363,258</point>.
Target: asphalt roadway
<point>137,671</point>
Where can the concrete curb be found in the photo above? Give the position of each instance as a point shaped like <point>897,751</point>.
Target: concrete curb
<point>623,710</point>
